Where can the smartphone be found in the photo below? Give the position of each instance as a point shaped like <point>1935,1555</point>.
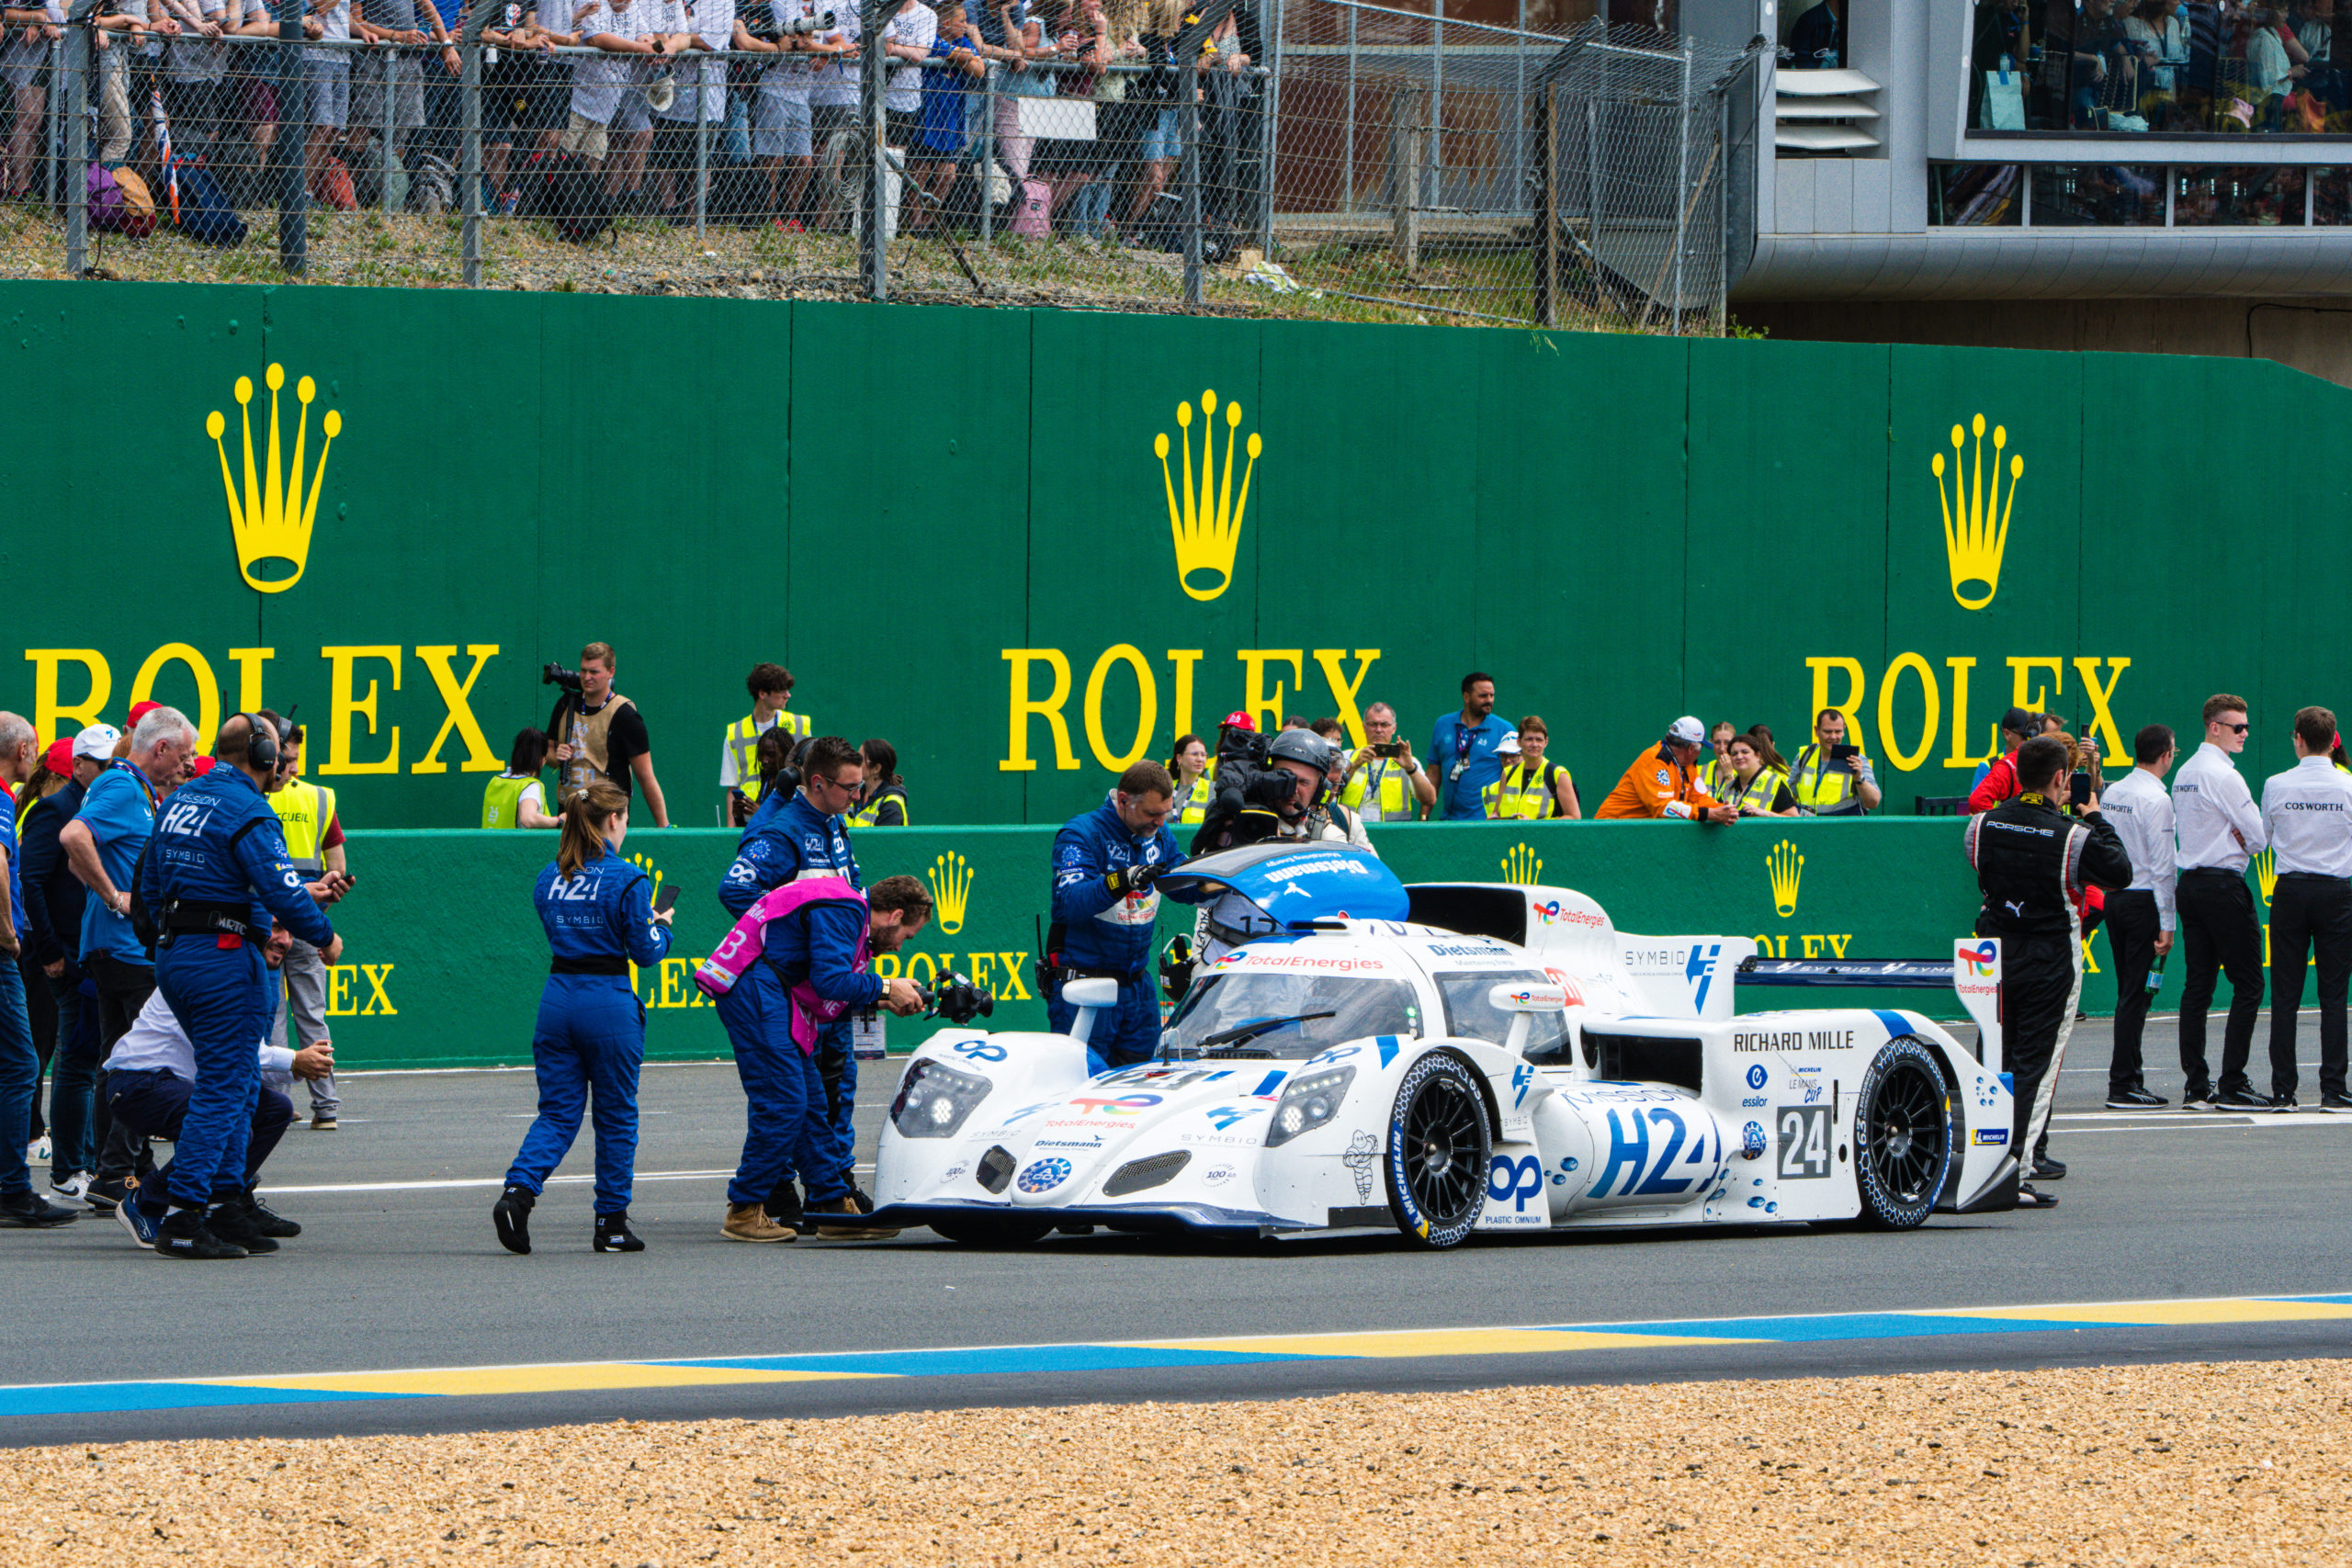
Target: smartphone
<point>1844,753</point>
<point>665,898</point>
<point>1392,750</point>
<point>2081,789</point>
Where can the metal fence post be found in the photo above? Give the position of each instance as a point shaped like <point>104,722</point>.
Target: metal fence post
<point>1681,182</point>
<point>291,148</point>
<point>384,153</point>
<point>1545,300</point>
<point>53,133</point>
<point>77,140</point>
<point>1189,124</point>
<point>470,147</point>
<point>1347,129</point>
<point>1437,108</point>
<point>873,249</point>
<point>987,169</point>
<point>1407,148</point>
<point>1270,106</point>
<point>702,156</point>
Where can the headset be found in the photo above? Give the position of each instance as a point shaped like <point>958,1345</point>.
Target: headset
<point>265,744</point>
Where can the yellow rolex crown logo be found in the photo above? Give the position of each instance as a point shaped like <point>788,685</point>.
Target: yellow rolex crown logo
<point>2265,872</point>
<point>272,522</point>
<point>1207,525</point>
<point>1976,514</point>
<point>1785,867</point>
<point>951,889</point>
<point>1522,865</point>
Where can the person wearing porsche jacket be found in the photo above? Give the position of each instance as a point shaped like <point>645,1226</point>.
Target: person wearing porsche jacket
<point>1104,912</point>
<point>2032,864</point>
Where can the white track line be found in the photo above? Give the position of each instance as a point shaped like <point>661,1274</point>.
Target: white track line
<point>498,1181</point>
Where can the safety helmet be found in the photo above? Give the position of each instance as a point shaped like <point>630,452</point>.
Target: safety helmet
<point>1304,746</point>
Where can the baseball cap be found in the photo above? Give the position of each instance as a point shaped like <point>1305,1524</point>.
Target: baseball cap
<point>141,710</point>
<point>98,740</point>
<point>1508,746</point>
<point>1687,732</point>
<point>2020,722</point>
<point>204,765</point>
<point>1239,720</point>
<point>58,758</point>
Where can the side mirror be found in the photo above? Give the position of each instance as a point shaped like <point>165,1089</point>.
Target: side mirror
<point>1100,991</point>
<point>1513,996</point>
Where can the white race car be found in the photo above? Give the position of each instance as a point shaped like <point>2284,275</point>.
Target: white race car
<point>1439,1061</point>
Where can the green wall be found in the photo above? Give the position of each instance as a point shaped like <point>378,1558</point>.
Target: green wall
<point>444,959</point>
<point>913,508</point>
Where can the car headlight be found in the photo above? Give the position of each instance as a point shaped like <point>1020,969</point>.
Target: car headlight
<point>936,1099</point>
<point>1306,1103</point>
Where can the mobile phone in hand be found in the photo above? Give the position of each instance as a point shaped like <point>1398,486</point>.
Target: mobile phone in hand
<point>1842,753</point>
<point>2081,788</point>
<point>1392,750</point>
<point>663,900</point>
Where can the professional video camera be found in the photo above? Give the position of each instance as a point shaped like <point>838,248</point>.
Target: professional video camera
<point>956,999</point>
<point>768,31</point>
<point>1251,789</point>
<point>554,674</point>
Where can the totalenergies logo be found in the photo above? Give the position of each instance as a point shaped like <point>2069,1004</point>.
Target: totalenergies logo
<point>1977,514</point>
<point>1207,525</point>
<point>1124,1105</point>
<point>272,524</point>
<point>1979,961</point>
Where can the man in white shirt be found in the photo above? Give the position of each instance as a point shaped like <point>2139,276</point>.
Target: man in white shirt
<point>2307,811</point>
<point>2219,829</point>
<point>150,1076</point>
<point>702,25</point>
<point>780,112</point>
<point>2139,920</point>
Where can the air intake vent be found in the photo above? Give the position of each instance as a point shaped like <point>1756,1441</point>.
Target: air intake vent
<point>995,1171</point>
<point>1647,1058</point>
<point>1138,1174</point>
<point>1818,112</point>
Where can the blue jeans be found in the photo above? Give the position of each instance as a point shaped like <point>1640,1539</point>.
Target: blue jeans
<point>72,1079</point>
<point>221,997</point>
<point>1122,1035</point>
<point>589,1042</point>
<point>780,1082</point>
<point>19,1078</point>
<point>154,1104</point>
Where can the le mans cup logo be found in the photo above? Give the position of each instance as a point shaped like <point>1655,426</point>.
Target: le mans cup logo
<point>1786,868</point>
<point>1976,512</point>
<point>1207,525</point>
<point>272,522</point>
<point>951,889</point>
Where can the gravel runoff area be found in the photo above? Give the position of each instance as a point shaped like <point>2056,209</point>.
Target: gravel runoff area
<point>2202,1463</point>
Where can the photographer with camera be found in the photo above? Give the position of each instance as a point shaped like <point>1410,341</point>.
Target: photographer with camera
<point>1384,782</point>
<point>598,733</point>
<point>1831,778</point>
<point>1104,910</point>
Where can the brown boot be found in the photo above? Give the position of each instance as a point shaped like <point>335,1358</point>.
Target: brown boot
<point>750,1222</point>
<point>847,1233</point>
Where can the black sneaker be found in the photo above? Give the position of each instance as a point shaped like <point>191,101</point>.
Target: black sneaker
<point>2241,1100</point>
<point>182,1234</point>
<point>228,1220</point>
<point>511,1215</point>
<point>2134,1099</point>
<point>2028,1198</point>
<point>2284,1103</point>
<point>30,1211</point>
<point>104,1196</point>
<point>2336,1102</point>
<point>2197,1100</point>
<point>613,1233</point>
<point>2048,1170</point>
<point>266,1220</point>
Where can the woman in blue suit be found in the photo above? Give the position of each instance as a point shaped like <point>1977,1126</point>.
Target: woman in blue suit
<point>589,1042</point>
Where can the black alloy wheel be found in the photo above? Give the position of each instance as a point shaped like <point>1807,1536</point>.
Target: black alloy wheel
<point>1902,1135</point>
<point>1439,1150</point>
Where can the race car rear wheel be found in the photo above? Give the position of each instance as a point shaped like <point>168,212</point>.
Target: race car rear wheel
<point>1902,1135</point>
<point>993,1230</point>
<point>1438,1147</point>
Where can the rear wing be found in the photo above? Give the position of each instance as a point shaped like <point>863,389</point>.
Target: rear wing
<point>1973,973</point>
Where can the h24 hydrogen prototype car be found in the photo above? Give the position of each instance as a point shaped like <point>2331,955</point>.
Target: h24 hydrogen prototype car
<point>1442,1060</point>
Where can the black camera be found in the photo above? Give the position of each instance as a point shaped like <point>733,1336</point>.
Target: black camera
<point>957,999</point>
<point>554,674</point>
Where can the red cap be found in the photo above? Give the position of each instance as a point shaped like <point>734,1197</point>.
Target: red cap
<point>204,765</point>
<point>141,710</point>
<point>58,758</point>
<point>1239,721</point>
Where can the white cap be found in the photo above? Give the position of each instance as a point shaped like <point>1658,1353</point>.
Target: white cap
<point>98,740</point>
<point>1509,745</point>
<point>1687,732</point>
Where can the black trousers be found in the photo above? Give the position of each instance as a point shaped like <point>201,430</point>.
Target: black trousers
<point>123,990</point>
<point>2308,912</point>
<point>2041,976</point>
<point>2132,925</point>
<point>2217,935</point>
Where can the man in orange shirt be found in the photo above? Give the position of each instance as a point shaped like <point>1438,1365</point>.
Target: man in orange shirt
<point>1664,781</point>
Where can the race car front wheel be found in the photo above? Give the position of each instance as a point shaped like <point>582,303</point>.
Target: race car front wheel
<point>993,1230</point>
<point>1902,1135</point>
<point>1438,1147</point>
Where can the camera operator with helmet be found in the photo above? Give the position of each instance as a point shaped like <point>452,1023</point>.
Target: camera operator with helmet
<point>1104,910</point>
<point>598,733</point>
<point>1287,798</point>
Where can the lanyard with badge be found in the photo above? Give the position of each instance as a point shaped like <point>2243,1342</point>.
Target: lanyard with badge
<point>1465,738</point>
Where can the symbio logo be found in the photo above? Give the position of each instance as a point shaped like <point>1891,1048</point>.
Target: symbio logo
<point>1976,516</point>
<point>951,888</point>
<point>1521,866</point>
<point>1207,527</point>
<point>272,524</point>
<point>1785,867</point>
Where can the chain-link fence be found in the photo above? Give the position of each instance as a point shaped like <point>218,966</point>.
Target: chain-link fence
<point>1301,157</point>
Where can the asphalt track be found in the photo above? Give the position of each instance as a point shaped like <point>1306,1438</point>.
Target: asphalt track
<point>399,1271</point>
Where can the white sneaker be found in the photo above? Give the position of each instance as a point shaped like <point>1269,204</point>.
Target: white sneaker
<point>36,1152</point>
<point>75,1188</point>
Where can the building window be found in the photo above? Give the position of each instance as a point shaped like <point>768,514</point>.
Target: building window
<point>2130,196</point>
<point>1975,196</point>
<point>2100,196</point>
<point>2160,67</point>
<point>2268,197</point>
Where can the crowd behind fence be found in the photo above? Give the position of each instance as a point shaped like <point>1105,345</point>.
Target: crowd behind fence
<point>1323,157</point>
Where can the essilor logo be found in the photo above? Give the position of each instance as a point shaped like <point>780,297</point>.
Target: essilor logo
<point>272,524</point>
<point>1207,525</point>
<point>1976,516</point>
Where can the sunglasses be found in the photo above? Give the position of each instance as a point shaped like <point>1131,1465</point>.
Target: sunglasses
<point>2235,728</point>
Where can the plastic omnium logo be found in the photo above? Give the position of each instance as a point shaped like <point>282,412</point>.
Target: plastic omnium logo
<point>271,522</point>
<point>1976,509</point>
<point>1785,867</point>
<point>1206,519</point>
<point>951,889</point>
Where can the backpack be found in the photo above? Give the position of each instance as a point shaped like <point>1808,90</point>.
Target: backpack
<point>105,198</point>
<point>564,188</point>
<point>137,211</point>
<point>206,213</point>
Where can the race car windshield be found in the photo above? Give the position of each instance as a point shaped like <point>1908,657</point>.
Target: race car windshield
<point>1302,1014</point>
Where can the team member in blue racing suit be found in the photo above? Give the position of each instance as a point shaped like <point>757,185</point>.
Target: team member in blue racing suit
<point>589,1039</point>
<point>217,870</point>
<point>1104,909</point>
<point>794,836</point>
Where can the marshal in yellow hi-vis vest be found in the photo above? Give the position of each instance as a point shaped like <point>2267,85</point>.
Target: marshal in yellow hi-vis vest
<point>1759,794</point>
<point>1523,795</point>
<point>304,809</point>
<point>1192,803</point>
<point>1822,786</point>
<point>743,745</point>
<point>871,813</point>
<point>1380,791</point>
